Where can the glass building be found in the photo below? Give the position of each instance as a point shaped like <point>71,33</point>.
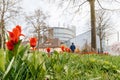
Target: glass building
<point>64,34</point>
<point>83,40</point>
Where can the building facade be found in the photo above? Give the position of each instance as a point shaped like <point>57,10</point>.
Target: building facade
<point>56,35</point>
<point>64,34</point>
<point>83,40</point>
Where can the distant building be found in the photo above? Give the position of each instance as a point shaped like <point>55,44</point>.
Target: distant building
<point>83,40</point>
<point>55,35</point>
<point>64,34</point>
<point>52,43</point>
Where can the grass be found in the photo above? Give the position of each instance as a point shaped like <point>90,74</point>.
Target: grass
<point>85,67</point>
<point>64,66</point>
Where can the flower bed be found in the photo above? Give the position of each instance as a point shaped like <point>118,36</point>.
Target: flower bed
<point>38,65</point>
<point>18,63</point>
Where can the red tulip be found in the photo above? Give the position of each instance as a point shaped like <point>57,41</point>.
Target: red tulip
<point>14,37</point>
<point>33,42</point>
<point>48,50</point>
<point>10,45</point>
<point>63,48</point>
<point>67,49</point>
<point>15,34</point>
<point>19,28</point>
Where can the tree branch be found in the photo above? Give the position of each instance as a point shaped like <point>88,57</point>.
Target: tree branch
<point>117,1</point>
<point>81,5</point>
<point>31,22</point>
<point>106,8</point>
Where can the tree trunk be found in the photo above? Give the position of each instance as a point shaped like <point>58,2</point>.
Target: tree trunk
<point>101,48</point>
<point>38,35</point>
<point>93,24</point>
<point>2,36</point>
<point>38,40</point>
<point>2,26</point>
<point>0,40</point>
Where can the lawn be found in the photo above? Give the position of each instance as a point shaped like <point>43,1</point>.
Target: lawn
<point>59,66</point>
<point>18,62</point>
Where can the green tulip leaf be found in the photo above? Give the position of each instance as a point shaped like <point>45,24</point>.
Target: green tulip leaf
<point>2,60</point>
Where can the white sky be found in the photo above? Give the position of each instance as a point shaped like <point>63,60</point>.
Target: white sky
<point>60,18</point>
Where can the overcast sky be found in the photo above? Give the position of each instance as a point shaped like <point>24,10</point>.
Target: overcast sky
<point>60,16</point>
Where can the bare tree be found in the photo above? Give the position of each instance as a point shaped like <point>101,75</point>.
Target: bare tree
<point>92,13</point>
<point>8,10</point>
<point>93,24</point>
<point>103,26</point>
<point>37,21</point>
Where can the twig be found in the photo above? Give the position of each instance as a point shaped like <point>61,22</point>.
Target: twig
<point>81,5</point>
<point>106,8</point>
<point>117,1</point>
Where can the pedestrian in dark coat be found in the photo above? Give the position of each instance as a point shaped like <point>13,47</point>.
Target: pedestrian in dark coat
<point>72,47</point>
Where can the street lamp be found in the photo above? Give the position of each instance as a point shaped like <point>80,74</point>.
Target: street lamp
<point>107,41</point>
<point>118,36</point>
<point>117,32</point>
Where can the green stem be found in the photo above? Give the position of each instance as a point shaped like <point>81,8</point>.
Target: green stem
<point>8,68</point>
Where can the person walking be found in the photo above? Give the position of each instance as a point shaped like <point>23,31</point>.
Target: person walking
<point>72,47</point>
